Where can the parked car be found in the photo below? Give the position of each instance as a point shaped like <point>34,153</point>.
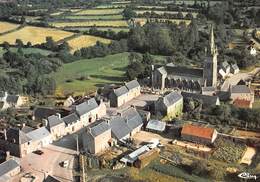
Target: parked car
<point>39,152</point>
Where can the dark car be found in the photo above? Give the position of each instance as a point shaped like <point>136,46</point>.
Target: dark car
<point>39,152</point>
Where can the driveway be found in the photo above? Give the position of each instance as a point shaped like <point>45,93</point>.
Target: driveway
<point>40,166</point>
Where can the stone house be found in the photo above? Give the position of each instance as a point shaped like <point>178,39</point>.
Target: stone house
<point>198,134</point>
<point>9,169</point>
<point>90,111</point>
<point>134,89</point>
<point>7,101</point>
<point>123,94</point>
<point>224,69</point>
<point>119,128</point>
<point>22,142</point>
<point>97,138</point>
<point>241,92</point>
<point>133,120</point>
<point>170,105</point>
<point>72,123</point>
<point>118,97</point>
<point>56,126</point>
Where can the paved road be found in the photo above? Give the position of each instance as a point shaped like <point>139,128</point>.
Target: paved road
<point>46,164</point>
<point>234,79</point>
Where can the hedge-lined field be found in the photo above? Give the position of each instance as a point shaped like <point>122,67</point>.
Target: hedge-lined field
<point>35,35</point>
<point>97,71</point>
<point>95,17</point>
<point>83,29</point>
<point>99,12</point>
<point>85,41</point>
<point>5,26</point>
<point>107,23</point>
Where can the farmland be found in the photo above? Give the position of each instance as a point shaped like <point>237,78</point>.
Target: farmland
<point>99,12</point>
<point>109,69</point>
<point>35,35</point>
<point>115,29</point>
<point>95,17</point>
<point>109,23</point>
<point>85,41</point>
<point>5,26</point>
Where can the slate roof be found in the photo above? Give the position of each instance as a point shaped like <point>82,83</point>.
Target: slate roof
<point>51,179</point>
<point>132,84</point>
<point>120,91</point>
<point>27,129</point>
<point>208,89</point>
<point>12,99</point>
<point>17,136</point>
<point>171,98</point>
<point>225,64</point>
<point>54,121</point>
<point>197,131</point>
<point>119,127</point>
<point>43,112</point>
<point>184,71</point>
<point>132,117</point>
<point>38,134</point>
<point>156,125</point>
<point>8,166</point>
<point>162,70</point>
<point>207,100</point>
<point>234,67</point>
<point>86,107</point>
<point>99,129</point>
<point>71,118</point>
<point>240,89</point>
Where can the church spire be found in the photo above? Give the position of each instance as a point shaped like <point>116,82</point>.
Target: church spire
<point>212,46</point>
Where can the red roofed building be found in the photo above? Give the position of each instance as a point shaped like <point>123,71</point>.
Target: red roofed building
<point>198,134</point>
<point>243,103</point>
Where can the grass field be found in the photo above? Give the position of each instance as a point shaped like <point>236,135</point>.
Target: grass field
<point>162,12</point>
<point>5,26</point>
<point>99,11</point>
<point>85,41</point>
<point>27,51</point>
<point>142,21</point>
<point>95,17</point>
<point>35,35</point>
<point>109,23</point>
<point>109,69</point>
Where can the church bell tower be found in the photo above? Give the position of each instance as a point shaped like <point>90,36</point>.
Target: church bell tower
<point>211,64</point>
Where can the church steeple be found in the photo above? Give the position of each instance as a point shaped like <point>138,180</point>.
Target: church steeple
<point>210,64</point>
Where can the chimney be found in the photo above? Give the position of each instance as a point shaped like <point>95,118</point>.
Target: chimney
<point>58,115</point>
<point>45,122</point>
<point>8,156</point>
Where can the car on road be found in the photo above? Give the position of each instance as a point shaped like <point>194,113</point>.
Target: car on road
<point>38,152</point>
<point>64,164</point>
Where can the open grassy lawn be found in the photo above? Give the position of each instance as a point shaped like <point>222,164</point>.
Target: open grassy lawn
<point>27,51</point>
<point>109,23</point>
<point>5,26</point>
<point>95,17</point>
<point>99,12</point>
<point>35,35</point>
<point>109,69</point>
<point>85,41</point>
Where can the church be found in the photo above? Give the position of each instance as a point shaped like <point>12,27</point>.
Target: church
<point>189,79</point>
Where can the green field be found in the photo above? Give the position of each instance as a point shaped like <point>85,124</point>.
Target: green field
<point>95,17</point>
<point>27,51</point>
<point>99,71</point>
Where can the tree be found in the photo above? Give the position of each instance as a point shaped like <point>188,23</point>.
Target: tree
<point>6,46</point>
<point>19,43</point>
<point>129,13</point>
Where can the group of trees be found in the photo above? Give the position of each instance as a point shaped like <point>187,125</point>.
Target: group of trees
<point>229,115</point>
<point>28,73</point>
